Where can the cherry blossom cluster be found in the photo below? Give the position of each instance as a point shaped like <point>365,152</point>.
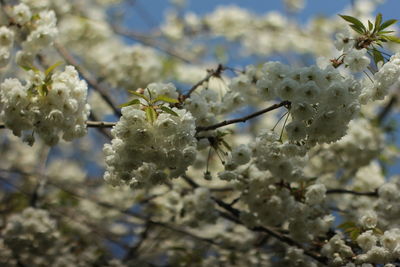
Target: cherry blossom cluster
<point>35,30</point>
<point>48,106</point>
<point>6,44</point>
<point>362,139</point>
<point>145,153</point>
<point>323,101</point>
<point>33,234</point>
<point>383,80</point>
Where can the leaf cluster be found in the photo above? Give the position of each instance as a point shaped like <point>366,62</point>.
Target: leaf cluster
<point>354,230</point>
<point>43,88</point>
<point>374,33</point>
<point>152,107</point>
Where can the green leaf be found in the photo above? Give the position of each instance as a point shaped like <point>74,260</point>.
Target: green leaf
<point>378,20</point>
<point>165,98</point>
<point>52,67</point>
<point>356,29</point>
<point>346,225</point>
<point>42,90</point>
<point>354,234</point>
<point>377,231</point>
<point>387,24</point>
<point>139,95</point>
<point>385,32</point>
<point>151,114</point>
<point>130,103</point>
<point>377,56</point>
<point>370,25</point>
<point>392,38</point>
<point>28,68</point>
<point>358,24</point>
<point>169,111</point>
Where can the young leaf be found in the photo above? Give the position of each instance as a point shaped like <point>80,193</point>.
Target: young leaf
<point>356,29</point>
<point>151,114</point>
<point>377,56</point>
<point>169,111</point>
<point>392,38</point>
<point>42,90</point>
<point>387,24</point>
<point>385,32</point>
<point>378,21</point>
<point>354,234</point>
<point>346,225</point>
<point>165,98</point>
<point>377,231</point>
<point>52,67</point>
<point>358,24</point>
<point>139,95</point>
<point>370,25</point>
<point>130,103</point>
<point>28,68</point>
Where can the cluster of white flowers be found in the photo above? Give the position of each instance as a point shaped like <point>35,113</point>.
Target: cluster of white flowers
<point>62,109</point>
<point>129,67</point>
<point>363,139</point>
<point>258,34</point>
<point>33,234</point>
<point>337,251</point>
<point>323,101</point>
<point>242,90</point>
<point>388,204</point>
<point>284,161</point>
<point>386,77</point>
<point>6,44</point>
<point>204,105</point>
<point>144,153</point>
<point>198,208</point>
<point>40,23</point>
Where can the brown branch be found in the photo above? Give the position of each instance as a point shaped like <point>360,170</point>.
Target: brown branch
<point>88,77</point>
<point>345,191</point>
<point>245,118</point>
<point>211,73</point>
<point>100,124</point>
<point>91,124</point>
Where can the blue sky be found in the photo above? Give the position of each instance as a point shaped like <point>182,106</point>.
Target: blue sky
<point>155,9</point>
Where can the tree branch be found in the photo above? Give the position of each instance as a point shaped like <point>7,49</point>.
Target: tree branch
<point>345,191</point>
<point>90,124</point>
<point>211,73</point>
<point>88,77</point>
<point>245,118</point>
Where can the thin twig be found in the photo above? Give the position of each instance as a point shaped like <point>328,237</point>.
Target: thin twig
<point>243,119</point>
<point>211,73</point>
<point>100,124</point>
